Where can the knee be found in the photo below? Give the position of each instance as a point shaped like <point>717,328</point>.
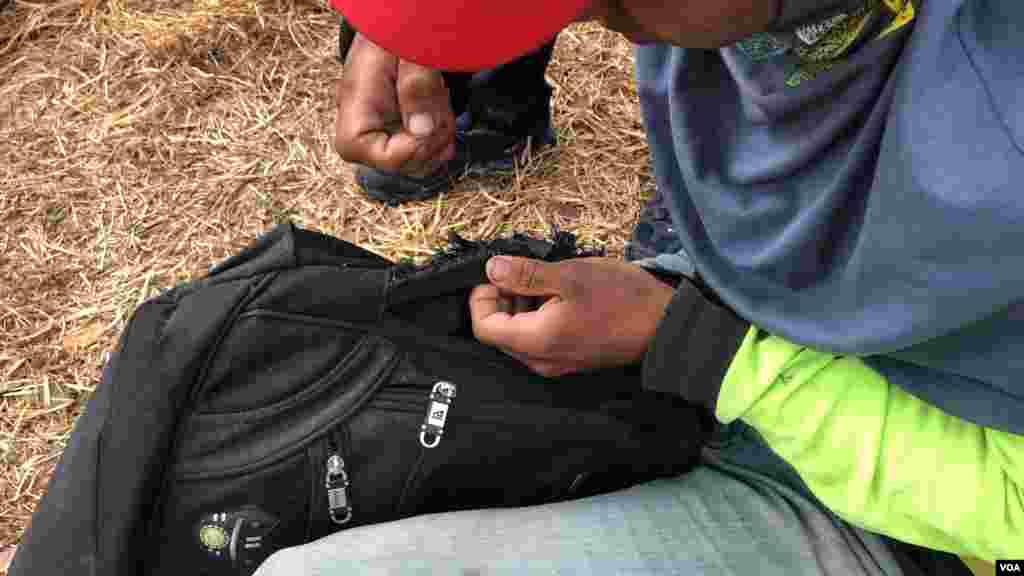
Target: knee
<point>289,561</point>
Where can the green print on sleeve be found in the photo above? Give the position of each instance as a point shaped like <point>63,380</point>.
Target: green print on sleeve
<point>817,46</point>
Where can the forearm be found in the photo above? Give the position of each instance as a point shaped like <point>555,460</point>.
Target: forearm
<point>877,456</point>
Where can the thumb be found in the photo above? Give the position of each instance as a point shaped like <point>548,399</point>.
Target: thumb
<point>423,100</point>
<point>526,277</point>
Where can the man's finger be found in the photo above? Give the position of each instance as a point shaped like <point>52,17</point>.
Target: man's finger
<point>384,151</point>
<point>366,138</point>
<point>486,299</point>
<point>424,102</point>
<point>6,556</point>
<point>369,127</point>
<point>526,277</point>
<point>427,115</point>
<point>546,368</point>
<point>494,324</point>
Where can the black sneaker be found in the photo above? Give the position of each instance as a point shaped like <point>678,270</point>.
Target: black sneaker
<point>655,233</point>
<point>478,152</point>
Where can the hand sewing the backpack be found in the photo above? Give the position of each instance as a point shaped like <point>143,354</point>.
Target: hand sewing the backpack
<point>603,313</point>
<point>596,312</point>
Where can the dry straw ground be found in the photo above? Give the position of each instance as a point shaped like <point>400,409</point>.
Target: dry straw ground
<point>141,141</point>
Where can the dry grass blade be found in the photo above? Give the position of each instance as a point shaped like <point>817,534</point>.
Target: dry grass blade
<point>141,141</point>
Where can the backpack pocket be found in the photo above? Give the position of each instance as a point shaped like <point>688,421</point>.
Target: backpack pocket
<point>249,470</point>
<point>506,454</point>
<point>225,525</point>
<point>367,464</point>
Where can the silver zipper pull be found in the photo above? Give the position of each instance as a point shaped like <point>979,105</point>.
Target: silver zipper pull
<point>437,414</point>
<point>337,490</point>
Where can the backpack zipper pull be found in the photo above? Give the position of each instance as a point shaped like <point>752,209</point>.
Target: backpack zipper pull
<point>337,490</point>
<point>437,414</point>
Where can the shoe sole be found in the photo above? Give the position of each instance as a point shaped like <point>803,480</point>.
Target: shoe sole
<point>492,168</point>
<point>392,199</point>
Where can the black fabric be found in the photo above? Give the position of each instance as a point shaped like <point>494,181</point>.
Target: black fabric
<point>915,560</point>
<point>281,398</point>
<point>451,274</point>
<point>463,263</point>
<point>693,347</point>
<point>513,99</point>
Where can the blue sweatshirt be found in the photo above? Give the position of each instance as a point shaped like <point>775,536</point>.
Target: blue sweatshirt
<point>853,182</point>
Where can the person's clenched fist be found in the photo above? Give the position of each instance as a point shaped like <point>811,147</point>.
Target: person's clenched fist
<point>392,115</point>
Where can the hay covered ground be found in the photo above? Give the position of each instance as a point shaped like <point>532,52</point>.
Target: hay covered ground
<point>142,141</point>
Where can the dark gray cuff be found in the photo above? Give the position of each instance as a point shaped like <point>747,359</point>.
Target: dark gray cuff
<point>793,13</point>
<point>693,347</point>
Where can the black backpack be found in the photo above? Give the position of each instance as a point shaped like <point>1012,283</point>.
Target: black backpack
<point>306,386</point>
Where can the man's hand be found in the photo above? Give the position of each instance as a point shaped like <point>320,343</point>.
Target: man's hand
<point>593,312</point>
<point>392,115</point>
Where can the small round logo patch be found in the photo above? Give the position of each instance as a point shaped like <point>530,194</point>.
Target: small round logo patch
<point>213,537</point>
